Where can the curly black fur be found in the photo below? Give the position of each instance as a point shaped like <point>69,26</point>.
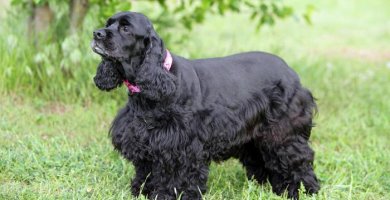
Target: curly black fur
<point>249,106</point>
<point>107,76</point>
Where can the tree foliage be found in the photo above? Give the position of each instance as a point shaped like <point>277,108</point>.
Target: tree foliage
<point>167,13</point>
<point>60,30</point>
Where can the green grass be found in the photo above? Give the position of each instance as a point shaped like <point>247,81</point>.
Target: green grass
<point>54,143</point>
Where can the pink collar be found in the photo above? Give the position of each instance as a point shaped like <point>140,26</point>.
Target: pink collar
<point>167,65</point>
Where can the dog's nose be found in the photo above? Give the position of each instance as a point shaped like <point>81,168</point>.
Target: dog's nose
<point>99,34</point>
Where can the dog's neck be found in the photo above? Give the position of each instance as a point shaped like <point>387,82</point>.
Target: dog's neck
<point>148,74</point>
<point>157,54</point>
<point>130,67</point>
<point>167,64</point>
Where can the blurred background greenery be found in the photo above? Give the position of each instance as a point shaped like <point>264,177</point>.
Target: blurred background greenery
<point>53,120</point>
<point>51,39</point>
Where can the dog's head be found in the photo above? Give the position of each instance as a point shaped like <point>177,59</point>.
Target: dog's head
<point>131,50</point>
<point>123,39</point>
<point>125,35</point>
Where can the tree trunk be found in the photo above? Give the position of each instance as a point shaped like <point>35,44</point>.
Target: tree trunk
<point>40,20</point>
<point>78,10</point>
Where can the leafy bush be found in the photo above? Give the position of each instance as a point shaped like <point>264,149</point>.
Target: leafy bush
<point>44,43</point>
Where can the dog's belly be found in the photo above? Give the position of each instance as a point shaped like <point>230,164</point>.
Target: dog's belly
<point>224,130</point>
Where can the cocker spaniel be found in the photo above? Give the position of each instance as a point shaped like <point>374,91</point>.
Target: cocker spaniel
<point>182,114</point>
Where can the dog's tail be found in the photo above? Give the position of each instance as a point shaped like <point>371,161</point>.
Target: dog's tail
<point>302,111</point>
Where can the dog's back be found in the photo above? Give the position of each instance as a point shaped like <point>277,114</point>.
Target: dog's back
<point>236,78</point>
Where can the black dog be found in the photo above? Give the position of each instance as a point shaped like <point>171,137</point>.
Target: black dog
<point>179,117</point>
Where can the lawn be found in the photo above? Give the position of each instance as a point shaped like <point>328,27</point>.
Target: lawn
<point>61,150</point>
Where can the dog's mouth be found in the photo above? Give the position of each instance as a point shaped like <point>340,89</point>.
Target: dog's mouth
<point>106,53</point>
<point>98,49</point>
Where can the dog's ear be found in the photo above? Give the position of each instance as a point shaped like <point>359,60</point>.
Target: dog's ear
<point>154,80</point>
<point>107,75</point>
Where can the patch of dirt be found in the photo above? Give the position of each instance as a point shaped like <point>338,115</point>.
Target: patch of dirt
<point>366,54</point>
<point>362,54</point>
<point>57,108</point>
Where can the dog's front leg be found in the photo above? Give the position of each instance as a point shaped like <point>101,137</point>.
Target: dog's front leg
<point>141,182</point>
<point>180,173</point>
<point>186,183</point>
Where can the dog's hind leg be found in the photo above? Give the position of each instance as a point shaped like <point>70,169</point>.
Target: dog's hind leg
<point>284,144</point>
<point>252,160</point>
<point>290,164</point>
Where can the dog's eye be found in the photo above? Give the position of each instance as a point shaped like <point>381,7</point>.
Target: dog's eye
<point>125,28</point>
